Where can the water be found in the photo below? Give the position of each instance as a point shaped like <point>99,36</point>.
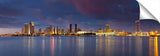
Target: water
<point>79,46</point>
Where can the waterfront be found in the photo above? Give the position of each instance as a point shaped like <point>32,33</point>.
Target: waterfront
<point>79,46</point>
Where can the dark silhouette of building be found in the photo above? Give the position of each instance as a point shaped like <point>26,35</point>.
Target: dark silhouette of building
<point>76,29</point>
<point>70,28</point>
<point>137,28</point>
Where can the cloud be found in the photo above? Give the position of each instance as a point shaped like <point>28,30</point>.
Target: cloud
<point>8,22</point>
<point>6,10</point>
<point>86,13</point>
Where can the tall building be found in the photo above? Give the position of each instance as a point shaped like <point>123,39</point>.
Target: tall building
<point>56,30</point>
<point>31,27</point>
<point>26,28</point>
<point>62,31</point>
<point>108,29</point>
<point>76,29</point>
<point>50,29</point>
<point>47,31</point>
<point>22,31</point>
<point>59,31</point>
<point>137,28</point>
<point>70,28</point>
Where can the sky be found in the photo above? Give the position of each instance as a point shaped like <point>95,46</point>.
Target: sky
<point>88,14</point>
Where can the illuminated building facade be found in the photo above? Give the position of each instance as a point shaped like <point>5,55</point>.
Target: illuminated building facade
<point>108,29</point>
<point>100,30</point>
<point>31,27</point>
<point>47,31</point>
<point>68,31</point>
<point>56,30</point>
<point>22,31</point>
<point>50,29</point>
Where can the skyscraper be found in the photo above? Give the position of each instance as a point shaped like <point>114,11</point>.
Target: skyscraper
<point>26,28</point>
<point>76,29</point>
<point>47,31</point>
<point>22,31</point>
<point>137,29</point>
<point>56,30</point>
<point>31,27</point>
<point>50,29</point>
<point>70,28</point>
<point>62,31</point>
<point>108,29</point>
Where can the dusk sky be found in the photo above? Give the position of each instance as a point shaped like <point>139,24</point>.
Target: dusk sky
<point>88,14</point>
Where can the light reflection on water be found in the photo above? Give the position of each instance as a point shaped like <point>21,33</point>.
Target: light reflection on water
<point>79,46</point>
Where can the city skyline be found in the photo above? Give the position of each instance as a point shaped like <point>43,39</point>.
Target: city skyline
<point>121,14</point>
<point>29,30</point>
<point>71,29</point>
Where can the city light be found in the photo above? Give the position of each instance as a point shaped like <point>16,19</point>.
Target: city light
<point>29,30</point>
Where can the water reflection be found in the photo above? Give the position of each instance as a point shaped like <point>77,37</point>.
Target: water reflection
<point>138,46</point>
<point>156,46</point>
<point>80,46</point>
<point>52,46</point>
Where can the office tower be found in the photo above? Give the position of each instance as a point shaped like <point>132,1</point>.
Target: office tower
<point>108,29</point>
<point>56,30</point>
<point>22,31</point>
<point>70,28</point>
<point>62,31</point>
<point>47,31</point>
<point>31,27</point>
<point>76,28</point>
<point>59,31</point>
<point>53,31</point>
<point>26,28</point>
<point>50,29</point>
<point>137,26</point>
